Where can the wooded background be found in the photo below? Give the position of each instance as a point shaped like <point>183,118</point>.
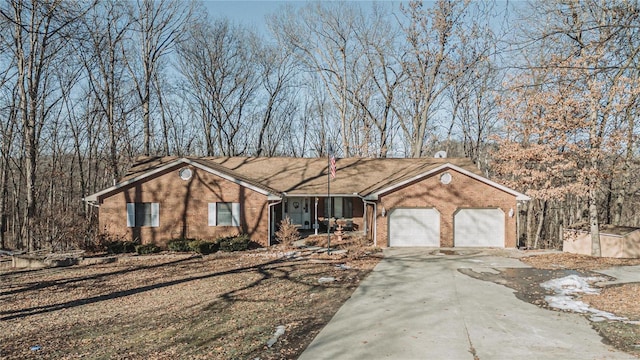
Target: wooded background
<point>542,97</point>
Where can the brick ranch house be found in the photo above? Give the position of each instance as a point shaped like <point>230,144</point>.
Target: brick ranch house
<point>396,202</point>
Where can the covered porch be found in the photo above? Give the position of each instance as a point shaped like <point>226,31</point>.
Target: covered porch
<point>312,214</point>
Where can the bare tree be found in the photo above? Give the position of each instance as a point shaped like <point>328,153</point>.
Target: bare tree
<point>107,29</point>
<point>39,34</point>
<point>384,73</point>
<point>322,38</point>
<point>159,26</point>
<point>277,72</point>
<point>433,37</point>
<point>221,81</point>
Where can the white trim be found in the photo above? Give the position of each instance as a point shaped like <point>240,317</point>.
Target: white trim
<point>131,214</point>
<point>155,214</point>
<point>94,197</point>
<point>518,195</point>
<point>319,195</point>
<point>212,216</point>
<point>235,214</point>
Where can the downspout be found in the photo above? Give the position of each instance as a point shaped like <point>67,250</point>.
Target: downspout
<point>375,215</point>
<point>269,220</point>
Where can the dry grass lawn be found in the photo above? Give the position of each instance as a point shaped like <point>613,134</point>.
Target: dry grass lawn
<point>620,300</point>
<point>220,306</point>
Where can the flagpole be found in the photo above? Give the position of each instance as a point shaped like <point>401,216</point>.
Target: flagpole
<point>329,200</point>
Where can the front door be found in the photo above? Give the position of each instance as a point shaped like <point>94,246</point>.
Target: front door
<point>299,212</point>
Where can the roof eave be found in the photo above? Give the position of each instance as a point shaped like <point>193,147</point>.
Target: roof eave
<point>518,195</point>
<point>95,197</point>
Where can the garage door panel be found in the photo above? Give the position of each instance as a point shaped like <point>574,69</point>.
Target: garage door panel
<point>414,227</point>
<point>479,228</point>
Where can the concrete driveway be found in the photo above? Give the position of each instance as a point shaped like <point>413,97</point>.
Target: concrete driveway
<point>416,305</point>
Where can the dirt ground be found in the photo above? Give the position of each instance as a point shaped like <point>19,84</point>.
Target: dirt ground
<point>228,305</point>
<point>620,300</point>
<point>168,306</point>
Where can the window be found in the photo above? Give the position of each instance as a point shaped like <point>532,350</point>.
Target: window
<point>342,207</point>
<point>337,207</point>
<point>347,207</point>
<point>224,214</point>
<point>143,214</point>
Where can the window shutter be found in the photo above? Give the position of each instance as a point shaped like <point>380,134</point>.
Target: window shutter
<point>235,214</point>
<point>131,214</point>
<point>155,214</point>
<point>212,214</point>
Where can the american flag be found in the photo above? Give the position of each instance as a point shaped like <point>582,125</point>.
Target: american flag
<point>332,166</point>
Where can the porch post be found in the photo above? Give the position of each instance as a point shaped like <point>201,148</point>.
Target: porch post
<point>316,215</point>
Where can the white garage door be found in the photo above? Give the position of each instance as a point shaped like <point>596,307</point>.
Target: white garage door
<point>414,227</point>
<point>479,227</point>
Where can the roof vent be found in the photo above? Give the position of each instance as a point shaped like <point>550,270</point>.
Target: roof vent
<point>185,173</point>
<point>440,154</point>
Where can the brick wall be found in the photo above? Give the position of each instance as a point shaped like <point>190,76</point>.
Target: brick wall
<point>184,208</point>
<point>462,192</point>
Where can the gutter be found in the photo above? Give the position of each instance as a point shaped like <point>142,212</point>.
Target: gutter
<point>90,202</point>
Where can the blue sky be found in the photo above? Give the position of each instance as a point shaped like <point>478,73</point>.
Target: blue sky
<point>248,13</point>
<point>251,14</point>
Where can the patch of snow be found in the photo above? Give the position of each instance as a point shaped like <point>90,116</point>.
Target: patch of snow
<point>343,267</point>
<point>566,302</point>
<point>327,279</point>
<point>572,284</point>
<point>565,290</point>
<point>279,332</point>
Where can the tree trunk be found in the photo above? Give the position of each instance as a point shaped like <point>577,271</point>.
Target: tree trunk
<point>146,122</point>
<point>593,222</point>
<point>4,194</point>
<point>626,170</point>
<point>543,213</point>
<point>530,219</point>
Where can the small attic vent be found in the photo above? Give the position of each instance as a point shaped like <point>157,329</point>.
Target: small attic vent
<point>185,173</point>
<point>446,178</point>
<point>440,154</point>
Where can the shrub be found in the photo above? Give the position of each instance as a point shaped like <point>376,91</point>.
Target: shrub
<point>147,249</point>
<point>181,245</point>
<point>359,247</point>
<point>234,243</point>
<point>288,233</point>
<point>320,240</point>
<point>203,247</point>
<point>121,247</point>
